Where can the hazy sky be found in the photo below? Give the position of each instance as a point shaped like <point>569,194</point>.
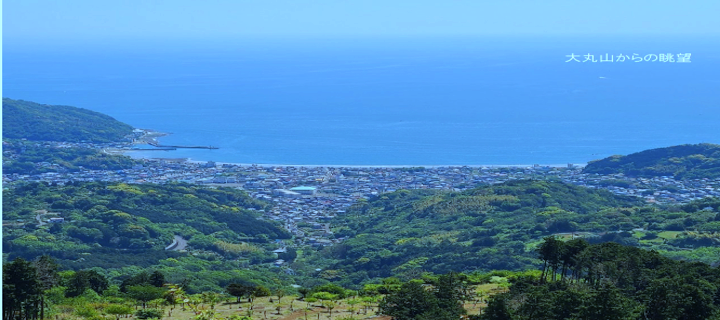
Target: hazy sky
<point>108,19</point>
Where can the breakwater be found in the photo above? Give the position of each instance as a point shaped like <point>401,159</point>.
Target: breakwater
<point>157,145</point>
<point>154,149</point>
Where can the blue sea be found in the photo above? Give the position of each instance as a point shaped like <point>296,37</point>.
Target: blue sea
<point>386,101</point>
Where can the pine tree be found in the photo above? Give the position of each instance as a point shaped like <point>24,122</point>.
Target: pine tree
<point>21,291</point>
<point>46,270</point>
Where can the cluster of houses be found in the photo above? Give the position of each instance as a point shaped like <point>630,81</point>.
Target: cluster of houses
<point>294,182</point>
<point>655,190</point>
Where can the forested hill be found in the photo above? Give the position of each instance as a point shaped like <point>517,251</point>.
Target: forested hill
<point>689,161</point>
<point>42,122</point>
<point>112,225</point>
<point>491,227</point>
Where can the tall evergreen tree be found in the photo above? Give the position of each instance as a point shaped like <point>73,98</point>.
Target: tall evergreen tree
<point>86,279</point>
<point>46,269</point>
<point>451,290</point>
<point>550,253</point>
<point>157,279</point>
<point>21,291</point>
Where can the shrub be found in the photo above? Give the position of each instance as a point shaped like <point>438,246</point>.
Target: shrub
<point>149,313</point>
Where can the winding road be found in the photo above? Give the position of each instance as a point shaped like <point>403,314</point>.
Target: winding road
<point>178,244</point>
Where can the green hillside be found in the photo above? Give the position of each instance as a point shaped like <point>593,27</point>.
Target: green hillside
<point>28,157</point>
<point>42,122</point>
<point>113,237</point>
<point>498,227</point>
<point>689,161</point>
<point>115,226</point>
<point>488,228</point>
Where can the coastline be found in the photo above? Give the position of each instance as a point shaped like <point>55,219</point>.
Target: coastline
<point>490,166</point>
<point>151,137</point>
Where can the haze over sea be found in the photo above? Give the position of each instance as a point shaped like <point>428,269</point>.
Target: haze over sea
<point>391,101</point>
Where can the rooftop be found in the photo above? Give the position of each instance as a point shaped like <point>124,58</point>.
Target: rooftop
<point>303,188</point>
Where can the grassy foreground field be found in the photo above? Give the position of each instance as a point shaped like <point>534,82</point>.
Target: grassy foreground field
<point>270,308</point>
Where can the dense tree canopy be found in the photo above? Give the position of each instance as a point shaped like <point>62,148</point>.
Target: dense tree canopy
<point>115,225</point>
<point>413,300</point>
<point>689,161</point>
<point>610,281</point>
<point>28,157</point>
<point>406,232</point>
<point>21,290</point>
<point>104,217</point>
<point>41,122</point>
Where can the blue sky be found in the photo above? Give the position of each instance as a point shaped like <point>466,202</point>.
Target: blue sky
<point>40,20</point>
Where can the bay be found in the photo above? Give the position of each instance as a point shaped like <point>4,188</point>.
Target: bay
<point>409,101</point>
